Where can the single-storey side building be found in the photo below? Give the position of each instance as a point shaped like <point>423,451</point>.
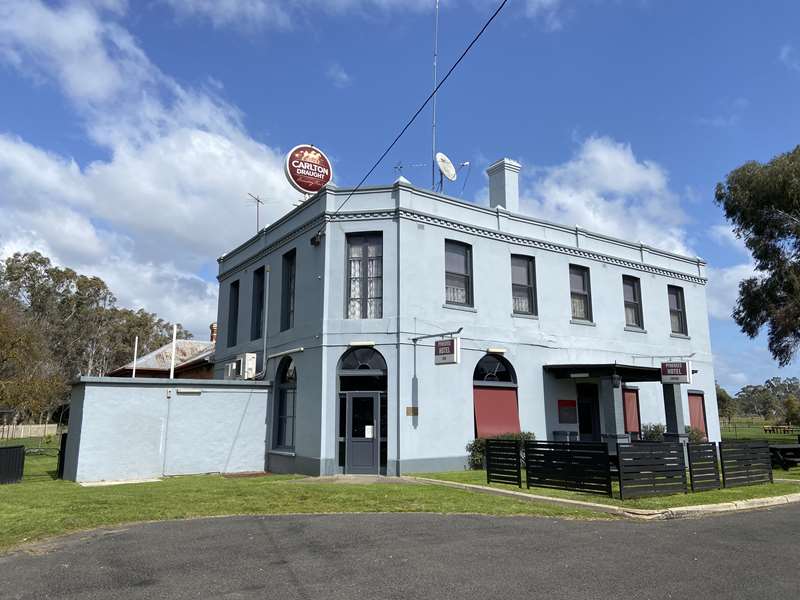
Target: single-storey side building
<point>560,331</point>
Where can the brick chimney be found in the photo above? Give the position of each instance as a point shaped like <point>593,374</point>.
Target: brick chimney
<point>504,184</point>
<point>213,328</point>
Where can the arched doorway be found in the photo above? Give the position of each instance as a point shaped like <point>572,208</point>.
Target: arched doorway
<point>494,392</point>
<point>362,411</point>
<point>285,397</point>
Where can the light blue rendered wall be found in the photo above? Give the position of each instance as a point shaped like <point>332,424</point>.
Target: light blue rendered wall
<point>132,429</point>
<point>415,224</point>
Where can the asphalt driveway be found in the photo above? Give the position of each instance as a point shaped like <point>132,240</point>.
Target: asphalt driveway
<point>748,555</point>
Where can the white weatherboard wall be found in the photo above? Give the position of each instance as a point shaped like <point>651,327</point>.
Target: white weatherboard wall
<point>131,429</point>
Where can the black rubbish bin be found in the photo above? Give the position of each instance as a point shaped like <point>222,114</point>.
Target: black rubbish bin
<point>12,463</point>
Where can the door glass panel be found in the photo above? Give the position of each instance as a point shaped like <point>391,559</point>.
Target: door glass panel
<point>363,417</point>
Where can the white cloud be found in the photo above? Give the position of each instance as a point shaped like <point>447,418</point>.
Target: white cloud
<point>724,236</point>
<point>170,198</point>
<point>551,12</point>
<point>728,113</point>
<point>286,14</point>
<point>338,76</point>
<point>604,187</point>
<point>282,14</point>
<point>789,57</point>
<point>72,44</point>
<point>723,288</point>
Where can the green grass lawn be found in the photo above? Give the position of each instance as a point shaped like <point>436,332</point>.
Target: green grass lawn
<point>752,428</point>
<point>41,506</point>
<point>657,502</point>
<point>793,473</point>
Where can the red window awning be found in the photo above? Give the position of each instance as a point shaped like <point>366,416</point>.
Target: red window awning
<point>495,411</point>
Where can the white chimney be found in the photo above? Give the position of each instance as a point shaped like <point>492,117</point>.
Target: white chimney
<point>504,184</point>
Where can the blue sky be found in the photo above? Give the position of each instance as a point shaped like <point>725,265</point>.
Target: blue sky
<point>131,132</point>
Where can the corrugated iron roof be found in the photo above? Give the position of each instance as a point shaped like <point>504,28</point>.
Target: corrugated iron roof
<point>185,351</point>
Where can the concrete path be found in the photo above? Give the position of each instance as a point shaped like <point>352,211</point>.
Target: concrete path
<point>748,555</point>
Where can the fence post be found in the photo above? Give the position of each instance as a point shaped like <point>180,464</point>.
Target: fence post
<point>619,475</point>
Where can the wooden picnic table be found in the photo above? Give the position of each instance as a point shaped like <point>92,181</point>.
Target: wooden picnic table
<point>781,429</point>
<point>785,455</point>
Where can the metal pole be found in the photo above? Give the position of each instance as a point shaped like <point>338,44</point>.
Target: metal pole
<point>172,359</point>
<point>135,355</point>
<point>435,83</point>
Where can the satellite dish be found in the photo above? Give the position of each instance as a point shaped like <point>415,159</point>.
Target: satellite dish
<point>446,166</point>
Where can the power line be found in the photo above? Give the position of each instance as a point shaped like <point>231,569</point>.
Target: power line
<point>422,107</point>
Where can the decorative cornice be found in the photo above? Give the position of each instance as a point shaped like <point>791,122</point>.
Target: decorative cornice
<point>282,241</point>
<point>420,217</point>
<point>413,215</point>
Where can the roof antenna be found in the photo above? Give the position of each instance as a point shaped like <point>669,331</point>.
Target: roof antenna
<point>258,202</point>
<point>435,83</point>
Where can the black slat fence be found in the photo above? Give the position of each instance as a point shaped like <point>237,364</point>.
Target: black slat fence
<point>703,466</point>
<point>503,462</point>
<point>651,469</point>
<point>745,463</point>
<point>579,466</point>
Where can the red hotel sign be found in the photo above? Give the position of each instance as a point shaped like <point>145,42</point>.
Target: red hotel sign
<point>308,169</point>
<point>446,351</point>
<point>676,372</point>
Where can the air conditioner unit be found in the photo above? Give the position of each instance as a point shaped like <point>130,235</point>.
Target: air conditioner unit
<point>232,370</point>
<point>247,365</point>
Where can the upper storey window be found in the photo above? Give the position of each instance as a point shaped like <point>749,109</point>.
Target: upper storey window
<point>458,273</point>
<point>677,310</point>
<point>632,294</point>
<point>233,313</point>
<point>523,284</point>
<point>365,276</point>
<point>580,292</point>
<point>287,289</point>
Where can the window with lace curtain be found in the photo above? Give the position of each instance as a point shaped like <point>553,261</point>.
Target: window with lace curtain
<point>632,295</point>
<point>458,273</point>
<point>365,275</point>
<point>580,293</point>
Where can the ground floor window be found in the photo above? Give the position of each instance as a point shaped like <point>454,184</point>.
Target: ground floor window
<point>494,397</point>
<point>286,396</point>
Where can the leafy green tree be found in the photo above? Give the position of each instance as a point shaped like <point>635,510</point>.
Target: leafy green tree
<point>79,316</point>
<point>726,405</point>
<point>758,400</point>
<point>762,201</point>
<point>791,410</point>
<point>30,380</point>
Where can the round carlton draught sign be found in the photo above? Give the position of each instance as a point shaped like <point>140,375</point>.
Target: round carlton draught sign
<point>308,169</point>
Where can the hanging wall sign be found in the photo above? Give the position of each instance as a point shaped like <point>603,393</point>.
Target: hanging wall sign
<point>308,169</point>
<point>676,372</point>
<point>447,351</point>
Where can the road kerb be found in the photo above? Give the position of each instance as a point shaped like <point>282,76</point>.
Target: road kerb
<point>643,514</point>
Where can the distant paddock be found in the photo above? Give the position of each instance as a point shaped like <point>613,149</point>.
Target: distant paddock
<point>13,432</point>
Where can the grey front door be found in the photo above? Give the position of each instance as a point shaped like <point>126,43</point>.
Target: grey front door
<point>363,432</point>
